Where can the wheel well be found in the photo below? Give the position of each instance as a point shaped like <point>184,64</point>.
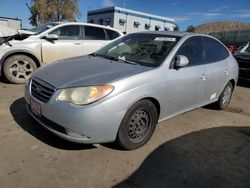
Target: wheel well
<point>233,82</point>
<point>24,53</point>
<point>156,103</point>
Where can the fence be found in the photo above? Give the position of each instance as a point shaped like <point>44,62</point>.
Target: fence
<point>236,38</point>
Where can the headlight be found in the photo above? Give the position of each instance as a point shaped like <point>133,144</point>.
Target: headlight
<point>84,95</point>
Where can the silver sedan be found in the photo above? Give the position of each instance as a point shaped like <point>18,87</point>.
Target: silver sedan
<point>124,89</point>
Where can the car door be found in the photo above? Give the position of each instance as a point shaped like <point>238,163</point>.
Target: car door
<point>186,85</point>
<point>69,43</point>
<point>94,39</point>
<point>217,65</point>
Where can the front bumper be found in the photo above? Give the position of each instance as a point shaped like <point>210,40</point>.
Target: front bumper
<point>82,124</point>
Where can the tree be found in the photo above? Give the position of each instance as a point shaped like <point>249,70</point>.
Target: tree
<point>176,28</point>
<point>43,11</point>
<point>190,28</point>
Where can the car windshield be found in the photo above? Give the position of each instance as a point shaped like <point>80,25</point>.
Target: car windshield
<point>43,28</point>
<point>247,50</point>
<point>140,48</point>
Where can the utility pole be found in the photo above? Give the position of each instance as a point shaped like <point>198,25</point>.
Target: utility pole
<point>124,2</point>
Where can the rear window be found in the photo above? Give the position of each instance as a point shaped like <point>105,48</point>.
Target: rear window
<point>112,34</point>
<point>94,33</point>
<point>214,50</point>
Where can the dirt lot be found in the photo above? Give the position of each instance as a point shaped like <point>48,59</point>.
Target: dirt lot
<point>202,148</point>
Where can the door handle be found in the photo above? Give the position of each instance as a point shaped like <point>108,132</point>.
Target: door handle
<point>204,76</point>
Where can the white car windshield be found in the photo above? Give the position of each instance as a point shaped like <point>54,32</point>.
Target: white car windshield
<point>43,28</point>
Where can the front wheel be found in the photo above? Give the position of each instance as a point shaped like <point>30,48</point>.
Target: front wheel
<point>18,68</point>
<point>137,125</point>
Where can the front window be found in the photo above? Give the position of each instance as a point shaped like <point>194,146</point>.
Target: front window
<point>144,49</point>
<point>69,32</point>
<point>192,48</point>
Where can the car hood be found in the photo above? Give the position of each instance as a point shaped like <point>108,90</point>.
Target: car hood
<point>86,70</point>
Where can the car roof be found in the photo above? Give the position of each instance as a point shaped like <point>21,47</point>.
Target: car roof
<point>173,33</point>
<point>87,24</point>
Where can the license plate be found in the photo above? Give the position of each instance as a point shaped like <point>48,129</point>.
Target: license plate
<point>35,107</point>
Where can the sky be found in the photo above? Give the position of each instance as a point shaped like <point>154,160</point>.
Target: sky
<point>185,12</point>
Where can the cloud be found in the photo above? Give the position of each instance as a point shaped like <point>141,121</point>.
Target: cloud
<point>174,3</point>
<point>220,8</point>
<point>206,15</point>
<point>181,18</point>
<point>107,3</point>
<point>242,14</point>
<point>198,15</point>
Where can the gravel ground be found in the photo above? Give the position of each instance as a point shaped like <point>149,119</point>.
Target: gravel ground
<point>201,148</point>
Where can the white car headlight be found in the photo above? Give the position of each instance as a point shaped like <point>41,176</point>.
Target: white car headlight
<point>84,95</point>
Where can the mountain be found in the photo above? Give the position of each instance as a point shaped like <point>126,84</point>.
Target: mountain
<point>221,26</point>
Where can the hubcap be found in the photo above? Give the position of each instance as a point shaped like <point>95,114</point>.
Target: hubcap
<point>139,125</point>
<point>21,70</point>
<point>226,96</point>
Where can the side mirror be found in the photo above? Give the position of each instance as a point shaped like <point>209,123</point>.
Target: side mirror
<point>51,37</point>
<point>181,61</point>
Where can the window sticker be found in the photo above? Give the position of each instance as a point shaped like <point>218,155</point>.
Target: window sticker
<point>170,39</point>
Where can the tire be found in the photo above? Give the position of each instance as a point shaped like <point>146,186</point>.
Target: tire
<point>18,68</point>
<point>224,98</point>
<point>137,126</point>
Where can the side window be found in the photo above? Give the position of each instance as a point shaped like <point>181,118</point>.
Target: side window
<point>192,48</point>
<point>71,32</point>
<point>94,33</point>
<point>214,51</point>
<point>112,34</point>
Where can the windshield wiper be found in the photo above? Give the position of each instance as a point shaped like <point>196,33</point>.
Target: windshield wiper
<point>122,59</point>
<point>100,55</point>
<point>92,54</point>
<point>6,41</point>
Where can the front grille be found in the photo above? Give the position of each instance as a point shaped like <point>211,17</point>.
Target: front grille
<point>41,91</point>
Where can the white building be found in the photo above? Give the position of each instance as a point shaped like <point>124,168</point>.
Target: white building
<point>13,23</point>
<point>129,21</point>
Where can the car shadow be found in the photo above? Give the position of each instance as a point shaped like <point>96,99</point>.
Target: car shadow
<point>2,79</point>
<point>243,83</point>
<point>216,157</point>
<point>27,123</point>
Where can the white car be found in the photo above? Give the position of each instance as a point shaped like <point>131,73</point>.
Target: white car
<point>20,57</point>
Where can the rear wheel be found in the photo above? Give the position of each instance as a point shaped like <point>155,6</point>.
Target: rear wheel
<point>137,125</point>
<point>225,97</point>
<point>18,68</point>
